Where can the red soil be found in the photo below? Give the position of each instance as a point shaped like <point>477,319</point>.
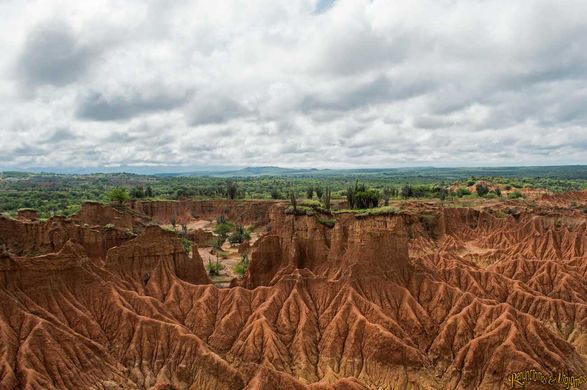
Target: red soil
<point>431,298</point>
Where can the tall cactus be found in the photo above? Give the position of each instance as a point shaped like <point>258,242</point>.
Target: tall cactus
<point>294,202</point>
<point>326,198</point>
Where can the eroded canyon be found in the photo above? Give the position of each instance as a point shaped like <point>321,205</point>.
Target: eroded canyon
<point>428,297</point>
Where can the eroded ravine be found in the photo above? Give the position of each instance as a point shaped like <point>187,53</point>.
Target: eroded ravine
<point>430,297</point>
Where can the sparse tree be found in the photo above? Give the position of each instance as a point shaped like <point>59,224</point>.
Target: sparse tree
<point>232,190</point>
<point>310,192</point>
<point>149,192</point>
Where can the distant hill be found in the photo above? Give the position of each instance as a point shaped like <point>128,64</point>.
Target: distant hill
<point>562,171</point>
<point>256,171</point>
<point>445,173</point>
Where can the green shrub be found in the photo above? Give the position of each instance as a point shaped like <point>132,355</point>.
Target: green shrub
<point>222,229</point>
<point>462,191</point>
<point>515,195</point>
<point>482,190</point>
<point>214,268</point>
<point>239,236</point>
<point>300,210</point>
<point>314,204</point>
<point>241,267</point>
<point>186,244</point>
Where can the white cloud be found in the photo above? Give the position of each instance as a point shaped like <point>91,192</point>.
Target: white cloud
<point>292,83</point>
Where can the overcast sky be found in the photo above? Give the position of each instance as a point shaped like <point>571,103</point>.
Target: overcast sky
<point>346,83</point>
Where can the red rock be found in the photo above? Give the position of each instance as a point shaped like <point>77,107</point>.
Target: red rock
<point>429,298</point>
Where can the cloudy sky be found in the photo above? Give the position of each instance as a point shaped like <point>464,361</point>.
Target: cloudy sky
<point>308,83</point>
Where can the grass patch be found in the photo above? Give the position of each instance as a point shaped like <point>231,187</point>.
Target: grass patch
<point>314,204</point>
<point>329,222</point>
<point>515,195</point>
<point>300,210</point>
<point>222,254</point>
<point>385,210</point>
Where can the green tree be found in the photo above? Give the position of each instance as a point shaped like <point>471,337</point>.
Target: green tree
<point>137,192</point>
<point>119,195</point>
<point>319,192</point>
<point>442,193</point>
<point>222,230</point>
<point>407,191</point>
<point>369,198</point>
<point>310,192</point>
<point>275,194</point>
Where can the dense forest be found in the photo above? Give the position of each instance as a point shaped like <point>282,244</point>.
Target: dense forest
<point>62,194</point>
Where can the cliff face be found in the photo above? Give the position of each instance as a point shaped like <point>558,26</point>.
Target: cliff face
<point>41,237</point>
<point>352,249</point>
<point>430,298</point>
<point>242,212</point>
<point>153,253</point>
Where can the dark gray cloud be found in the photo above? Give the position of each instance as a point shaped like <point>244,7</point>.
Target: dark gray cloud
<point>96,106</point>
<point>212,109</point>
<point>376,90</point>
<point>53,55</point>
<point>61,135</point>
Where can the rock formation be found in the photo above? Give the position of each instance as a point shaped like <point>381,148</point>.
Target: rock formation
<point>429,297</point>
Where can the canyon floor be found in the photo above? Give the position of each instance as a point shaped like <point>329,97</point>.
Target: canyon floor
<point>424,297</point>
